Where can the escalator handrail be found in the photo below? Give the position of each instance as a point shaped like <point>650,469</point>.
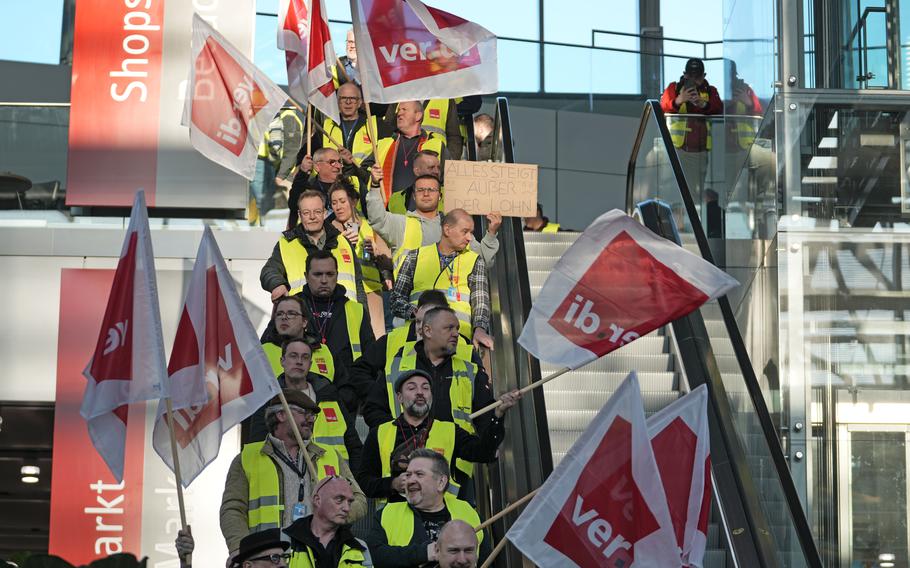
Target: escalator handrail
<point>652,111</point>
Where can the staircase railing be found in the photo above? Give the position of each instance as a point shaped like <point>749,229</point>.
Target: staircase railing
<point>764,518</point>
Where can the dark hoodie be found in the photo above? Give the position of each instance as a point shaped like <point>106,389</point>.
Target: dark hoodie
<point>273,273</point>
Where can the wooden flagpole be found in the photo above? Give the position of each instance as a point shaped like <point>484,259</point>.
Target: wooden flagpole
<point>317,125</point>
<point>301,447</point>
<point>499,548</point>
<point>506,511</point>
<point>309,130</point>
<point>522,390</point>
<point>188,559</point>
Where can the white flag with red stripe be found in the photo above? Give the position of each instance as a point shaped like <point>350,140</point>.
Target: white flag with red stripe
<point>682,448</point>
<point>128,362</point>
<point>407,50</point>
<point>604,504</point>
<point>616,283</point>
<point>216,357</point>
<point>229,101</point>
<point>294,40</point>
<point>320,60</point>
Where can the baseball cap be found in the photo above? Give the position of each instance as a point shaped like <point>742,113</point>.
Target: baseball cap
<point>408,375</point>
<point>695,66</point>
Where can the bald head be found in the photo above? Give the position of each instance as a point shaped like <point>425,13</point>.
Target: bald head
<point>349,100</point>
<point>456,546</point>
<point>409,117</point>
<point>456,216</point>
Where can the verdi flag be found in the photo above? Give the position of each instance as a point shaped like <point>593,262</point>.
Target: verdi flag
<point>616,283</point>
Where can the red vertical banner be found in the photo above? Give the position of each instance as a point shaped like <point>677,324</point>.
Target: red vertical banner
<point>115,99</point>
<point>92,516</point>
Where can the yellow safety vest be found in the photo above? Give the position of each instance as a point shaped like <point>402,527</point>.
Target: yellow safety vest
<point>441,440</point>
<point>386,159</point>
<point>398,338</point>
<point>372,281</point>
<point>350,557</point>
<point>322,362</point>
<point>397,519</point>
<point>330,428</point>
<point>361,146</point>
<point>293,255</point>
<point>265,498</point>
<point>550,228</point>
<point>742,128</point>
<point>679,126</point>
<point>413,240</point>
<point>453,281</point>
<point>461,390</point>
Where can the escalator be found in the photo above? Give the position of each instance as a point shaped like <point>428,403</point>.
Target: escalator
<point>757,517</point>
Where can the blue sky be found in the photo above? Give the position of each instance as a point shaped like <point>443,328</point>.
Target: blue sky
<point>567,69</point>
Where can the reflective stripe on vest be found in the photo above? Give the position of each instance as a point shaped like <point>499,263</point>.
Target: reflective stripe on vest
<point>360,140</point>
<point>293,256</point>
<point>372,281</point>
<point>265,505</point>
<point>386,149</point>
<point>428,276</point>
<point>550,228</point>
<point>679,126</point>
<point>441,440</point>
<point>412,240</point>
<point>350,557</point>
<point>330,427</point>
<point>397,520</point>
<point>461,391</point>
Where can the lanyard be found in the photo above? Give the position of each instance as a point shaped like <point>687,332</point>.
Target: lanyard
<point>301,493</point>
<point>322,323</point>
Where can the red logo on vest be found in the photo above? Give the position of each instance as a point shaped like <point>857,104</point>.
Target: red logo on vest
<point>323,368</point>
<point>330,415</point>
<point>366,138</point>
<point>434,113</point>
<point>345,256</point>
<point>329,471</point>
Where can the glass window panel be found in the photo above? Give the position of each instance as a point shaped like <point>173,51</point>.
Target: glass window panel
<point>22,22</point>
<point>267,6</point>
<point>680,20</point>
<point>580,69</point>
<point>571,21</point>
<point>519,66</point>
<point>266,54</point>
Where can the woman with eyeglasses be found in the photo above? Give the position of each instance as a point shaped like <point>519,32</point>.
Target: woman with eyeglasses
<point>357,230</point>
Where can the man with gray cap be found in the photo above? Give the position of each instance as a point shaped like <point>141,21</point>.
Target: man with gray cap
<point>387,447</point>
<point>268,484</point>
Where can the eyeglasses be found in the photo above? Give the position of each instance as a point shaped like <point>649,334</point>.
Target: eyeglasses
<point>426,189</point>
<point>274,558</point>
<point>349,99</point>
<point>329,162</point>
<point>287,315</point>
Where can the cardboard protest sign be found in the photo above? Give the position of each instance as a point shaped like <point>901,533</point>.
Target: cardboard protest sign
<point>489,187</point>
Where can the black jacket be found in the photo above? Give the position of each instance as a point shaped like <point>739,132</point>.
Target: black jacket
<point>274,274</point>
<point>325,392</point>
<point>477,449</point>
<point>337,340</point>
<point>326,557</point>
<point>376,407</point>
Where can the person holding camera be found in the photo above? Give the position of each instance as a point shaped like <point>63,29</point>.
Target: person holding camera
<point>692,95</point>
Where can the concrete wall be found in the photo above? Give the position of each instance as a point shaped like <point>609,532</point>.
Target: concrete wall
<point>583,157</point>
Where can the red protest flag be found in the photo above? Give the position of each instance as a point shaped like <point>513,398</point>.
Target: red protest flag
<point>218,371</point>
<point>128,363</point>
<point>616,283</point>
<point>229,101</point>
<point>294,40</point>
<point>682,448</point>
<point>604,504</point>
<point>407,50</point>
<point>320,60</point>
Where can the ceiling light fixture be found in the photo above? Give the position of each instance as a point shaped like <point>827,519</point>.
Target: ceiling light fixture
<point>30,470</point>
<point>29,479</point>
